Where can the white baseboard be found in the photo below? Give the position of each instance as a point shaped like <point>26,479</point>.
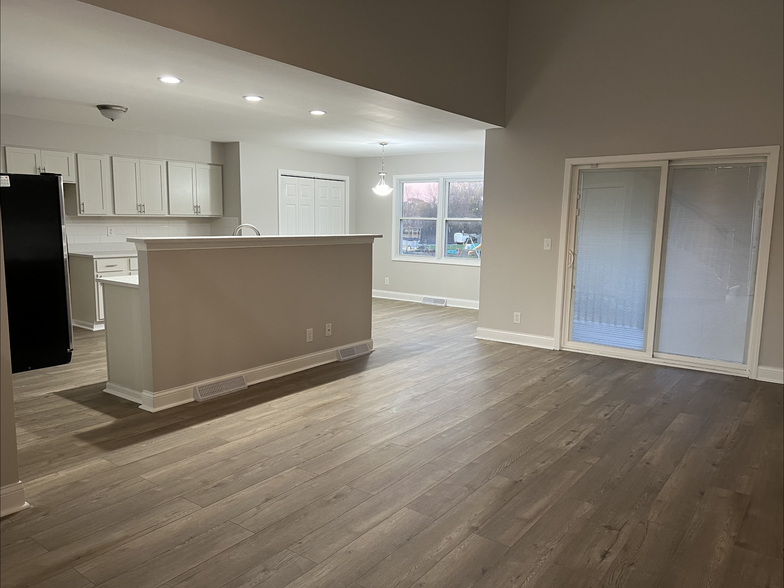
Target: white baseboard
<point>12,499</point>
<point>406,297</point>
<point>157,401</point>
<point>123,392</point>
<point>88,326</point>
<point>515,338</point>
<point>770,374</point>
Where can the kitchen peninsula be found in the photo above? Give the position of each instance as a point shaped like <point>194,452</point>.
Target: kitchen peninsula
<point>207,313</point>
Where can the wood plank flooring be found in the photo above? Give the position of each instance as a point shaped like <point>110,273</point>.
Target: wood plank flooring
<point>439,461</point>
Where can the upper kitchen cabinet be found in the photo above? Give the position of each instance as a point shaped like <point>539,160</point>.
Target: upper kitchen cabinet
<point>140,186</point>
<point>209,189</point>
<point>95,187</point>
<point>195,189</point>
<point>21,160</point>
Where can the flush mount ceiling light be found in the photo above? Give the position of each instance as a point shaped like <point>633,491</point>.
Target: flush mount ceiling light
<point>112,111</point>
<point>253,98</point>
<point>318,112</point>
<point>170,80</point>
<point>382,188</point>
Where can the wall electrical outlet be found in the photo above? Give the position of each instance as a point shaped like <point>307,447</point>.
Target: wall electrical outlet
<point>308,335</point>
<point>328,330</point>
<point>110,231</point>
<point>516,318</point>
<point>386,281</point>
<point>548,244</point>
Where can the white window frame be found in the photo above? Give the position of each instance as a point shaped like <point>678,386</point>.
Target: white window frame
<point>769,155</point>
<point>443,180</point>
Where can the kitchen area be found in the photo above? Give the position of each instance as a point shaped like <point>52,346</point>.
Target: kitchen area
<point>173,304</point>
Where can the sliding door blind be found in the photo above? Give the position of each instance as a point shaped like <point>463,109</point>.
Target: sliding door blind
<point>614,241</point>
<point>710,260</point>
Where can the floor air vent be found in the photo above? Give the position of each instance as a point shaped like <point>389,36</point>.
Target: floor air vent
<point>434,301</point>
<point>214,389</point>
<point>352,352</point>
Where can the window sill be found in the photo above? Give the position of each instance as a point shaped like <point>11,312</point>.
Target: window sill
<point>443,261</point>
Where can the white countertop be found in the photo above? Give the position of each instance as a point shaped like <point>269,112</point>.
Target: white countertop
<point>245,242</point>
<point>102,250</point>
<point>125,281</point>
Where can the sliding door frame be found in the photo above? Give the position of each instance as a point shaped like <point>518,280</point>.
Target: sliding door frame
<point>769,155</point>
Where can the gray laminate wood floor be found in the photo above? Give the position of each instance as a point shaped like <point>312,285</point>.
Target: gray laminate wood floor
<point>439,460</point>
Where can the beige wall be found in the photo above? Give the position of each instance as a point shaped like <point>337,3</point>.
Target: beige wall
<point>450,54</point>
<point>375,215</point>
<point>9,468</point>
<point>609,78</point>
<point>259,165</point>
<point>219,311</point>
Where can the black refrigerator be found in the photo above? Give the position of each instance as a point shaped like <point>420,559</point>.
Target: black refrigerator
<point>36,270</point>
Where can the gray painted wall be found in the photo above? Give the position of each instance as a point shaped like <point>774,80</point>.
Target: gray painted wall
<point>595,78</point>
<point>259,165</point>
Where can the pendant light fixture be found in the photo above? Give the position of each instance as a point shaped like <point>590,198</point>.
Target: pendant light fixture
<point>382,188</point>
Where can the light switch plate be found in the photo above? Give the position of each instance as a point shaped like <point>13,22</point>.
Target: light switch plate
<point>548,244</point>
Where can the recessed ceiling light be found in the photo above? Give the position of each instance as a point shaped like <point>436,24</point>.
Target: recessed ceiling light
<point>170,80</point>
<point>252,98</point>
<point>318,112</point>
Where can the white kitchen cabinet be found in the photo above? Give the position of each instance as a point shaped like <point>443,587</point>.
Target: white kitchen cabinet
<point>87,310</point>
<point>182,188</point>
<point>94,186</point>
<point>209,189</point>
<point>21,160</point>
<point>140,186</point>
<point>195,189</point>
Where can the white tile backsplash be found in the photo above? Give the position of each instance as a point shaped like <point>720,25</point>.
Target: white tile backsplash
<point>83,230</point>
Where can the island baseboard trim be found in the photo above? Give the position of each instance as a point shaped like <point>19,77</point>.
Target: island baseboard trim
<point>123,392</point>
<point>157,401</point>
<point>12,499</point>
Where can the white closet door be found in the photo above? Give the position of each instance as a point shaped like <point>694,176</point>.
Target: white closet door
<point>287,206</point>
<point>306,207</point>
<point>330,207</point>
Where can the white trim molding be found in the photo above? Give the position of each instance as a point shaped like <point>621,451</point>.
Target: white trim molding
<point>770,374</point>
<point>12,499</point>
<point>163,399</point>
<point>515,338</point>
<point>407,297</point>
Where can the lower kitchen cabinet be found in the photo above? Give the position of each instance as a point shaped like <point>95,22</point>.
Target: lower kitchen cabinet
<point>87,292</point>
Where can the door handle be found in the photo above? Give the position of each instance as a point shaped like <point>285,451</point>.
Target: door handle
<point>570,253</point>
<point>144,210</point>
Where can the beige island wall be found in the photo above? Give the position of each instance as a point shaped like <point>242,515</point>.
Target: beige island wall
<point>211,308</point>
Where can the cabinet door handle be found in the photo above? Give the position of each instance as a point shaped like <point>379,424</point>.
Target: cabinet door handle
<point>111,265</point>
<point>82,206</point>
<point>144,209</point>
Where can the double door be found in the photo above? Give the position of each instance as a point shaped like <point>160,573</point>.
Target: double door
<point>312,206</point>
<point>662,261</point>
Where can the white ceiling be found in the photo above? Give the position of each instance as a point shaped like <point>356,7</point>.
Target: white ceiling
<point>59,58</point>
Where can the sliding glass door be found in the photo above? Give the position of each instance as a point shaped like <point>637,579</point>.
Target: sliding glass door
<point>710,260</point>
<point>613,250</point>
<point>660,260</point>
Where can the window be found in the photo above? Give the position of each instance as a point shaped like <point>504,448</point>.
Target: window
<point>439,218</point>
